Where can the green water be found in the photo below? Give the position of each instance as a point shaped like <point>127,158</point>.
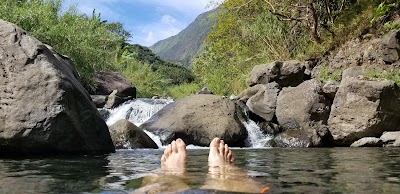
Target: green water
<point>328,170</point>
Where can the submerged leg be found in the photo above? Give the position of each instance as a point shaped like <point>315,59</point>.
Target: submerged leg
<point>173,166</point>
<point>223,175</point>
<point>174,159</point>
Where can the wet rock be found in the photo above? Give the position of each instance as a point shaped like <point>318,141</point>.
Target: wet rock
<point>287,73</point>
<point>126,135</point>
<point>107,82</point>
<point>105,114</point>
<point>322,137</point>
<point>263,103</point>
<point>293,139</point>
<point>44,109</point>
<point>302,107</point>
<point>368,142</point>
<point>364,108</point>
<point>330,88</point>
<point>99,100</point>
<point>114,100</point>
<point>197,120</point>
<point>390,136</point>
<point>269,128</point>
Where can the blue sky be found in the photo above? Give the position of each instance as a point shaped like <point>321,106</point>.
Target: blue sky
<point>147,20</point>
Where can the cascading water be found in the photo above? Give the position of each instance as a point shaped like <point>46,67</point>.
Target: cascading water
<point>140,110</point>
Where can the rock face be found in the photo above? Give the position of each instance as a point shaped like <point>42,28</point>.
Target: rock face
<point>330,88</point>
<point>43,107</point>
<point>302,107</point>
<point>99,100</point>
<point>288,73</point>
<point>126,135</point>
<point>107,82</point>
<point>197,120</point>
<point>263,103</point>
<point>364,108</point>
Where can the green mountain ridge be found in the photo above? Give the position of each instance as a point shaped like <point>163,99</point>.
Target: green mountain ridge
<point>187,44</point>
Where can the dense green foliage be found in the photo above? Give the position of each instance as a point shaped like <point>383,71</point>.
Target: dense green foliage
<point>185,46</point>
<point>94,45</point>
<point>87,40</point>
<point>251,32</point>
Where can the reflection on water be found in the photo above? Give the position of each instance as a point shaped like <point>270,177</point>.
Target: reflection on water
<point>333,170</point>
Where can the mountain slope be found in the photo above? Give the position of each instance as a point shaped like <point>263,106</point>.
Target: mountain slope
<point>184,47</point>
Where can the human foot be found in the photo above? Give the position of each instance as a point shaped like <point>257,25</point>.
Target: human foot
<point>220,154</point>
<point>174,159</point>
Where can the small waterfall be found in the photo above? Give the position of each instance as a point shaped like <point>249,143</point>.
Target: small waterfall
<point>256,138</point>
<point>139,111</point>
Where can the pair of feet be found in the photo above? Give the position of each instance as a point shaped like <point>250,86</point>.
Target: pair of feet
<point>175,157</point>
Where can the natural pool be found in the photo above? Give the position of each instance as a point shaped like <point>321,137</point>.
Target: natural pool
<point>325,170</point>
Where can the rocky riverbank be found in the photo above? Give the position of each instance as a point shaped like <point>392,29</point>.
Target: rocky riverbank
<point>45,109</point>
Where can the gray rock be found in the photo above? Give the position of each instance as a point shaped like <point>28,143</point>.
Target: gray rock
<point>302,107</point>
<point>114,100</point>
<point>353,72</point>
<point>197,120</point>
<point>396,143</point>
<point>126,135</point>
<point>99,100</point>
<point>364,108</point>
<point>43,106</point>
<point>249,92</point>
<point>107,82</point>
<point>322,137</point>
<point>204,91</point>
<point>287,73</point>
<point>330,88</point>
<point>263,103</point>
<point>390,136</point>
<point>367,142</point>
<point>391,47</point>
<point>293,139</point>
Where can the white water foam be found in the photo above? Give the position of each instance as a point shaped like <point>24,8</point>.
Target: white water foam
<point>137,111</point>
<point>140,110</point>
<point>256,138</point>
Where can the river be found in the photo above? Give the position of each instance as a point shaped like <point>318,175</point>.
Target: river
<point>324,170</point>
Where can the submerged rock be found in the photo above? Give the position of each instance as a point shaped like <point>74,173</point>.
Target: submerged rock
<point>197,120</point>
<point>364,108</point>
<point>126,135</point>
<point>293,139</point>
<point>43,106</point>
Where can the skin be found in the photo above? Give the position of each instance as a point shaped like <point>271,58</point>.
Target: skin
<point>222,175</point>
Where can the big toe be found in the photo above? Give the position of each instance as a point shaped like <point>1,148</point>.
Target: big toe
<point>215,143</point>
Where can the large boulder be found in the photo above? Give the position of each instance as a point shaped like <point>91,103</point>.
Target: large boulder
<point>263,103</point>
<point>287,73</point>
<point>126,135</point>
<point>107,82</point>
<point>43,106</point>
<point>364,108</point>
<point>197,120</point>
<point>302,107</point>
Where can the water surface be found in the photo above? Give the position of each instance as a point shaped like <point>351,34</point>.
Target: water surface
<point>326,170</point>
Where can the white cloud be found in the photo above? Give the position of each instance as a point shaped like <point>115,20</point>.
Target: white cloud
<point>169,16</point>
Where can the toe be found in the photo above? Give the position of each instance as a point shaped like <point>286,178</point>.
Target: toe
<point>230,156</point>
<point>215,143</point>
<point>173,146</point>
<point>181,146</point>
<point>222,147</point>
<point>226,151</point>
<point>167,151</point>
